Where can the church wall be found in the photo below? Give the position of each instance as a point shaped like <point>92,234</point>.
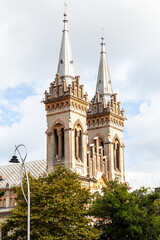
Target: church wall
<point>108,133</point>
<point>77,118</point>
<point>116,132</point>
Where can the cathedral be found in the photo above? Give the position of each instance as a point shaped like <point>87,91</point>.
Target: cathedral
<point>85,136</point>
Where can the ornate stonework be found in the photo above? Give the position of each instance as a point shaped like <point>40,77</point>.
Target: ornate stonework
<point>71,119</point>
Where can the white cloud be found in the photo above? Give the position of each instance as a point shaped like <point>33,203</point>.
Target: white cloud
<point>143,147</point>
<point>142,179</point>
<point>29,131</point>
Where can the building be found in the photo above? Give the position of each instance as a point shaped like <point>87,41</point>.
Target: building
<point>84,136</point>
<point>157,189</point>
<point>9,177</point>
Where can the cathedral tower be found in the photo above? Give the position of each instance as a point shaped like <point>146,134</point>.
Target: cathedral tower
<point>70,121</point>
<point>66,106</point>
<point>105,121</point>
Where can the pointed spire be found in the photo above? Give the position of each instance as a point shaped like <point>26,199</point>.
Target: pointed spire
<point>65,64</point>
<point>104,86</point>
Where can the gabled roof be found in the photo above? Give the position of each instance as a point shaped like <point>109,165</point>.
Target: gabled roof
<point>11,173</point>
<point>98,175</point>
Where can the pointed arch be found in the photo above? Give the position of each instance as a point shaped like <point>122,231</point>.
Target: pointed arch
<point>78,122</point>
<point>58,128</point>
<point>99,136</point>
<point>116,137</point>
<point>58,121</point>
<point>78,133</point>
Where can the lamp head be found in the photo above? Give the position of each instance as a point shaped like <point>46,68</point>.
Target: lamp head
<point>14,159</point>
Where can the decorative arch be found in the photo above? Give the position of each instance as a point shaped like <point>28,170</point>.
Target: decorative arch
<point>100,142</point>
<point>58,128</point>
<point>78,122</point>
<point>78,131</point>
<point>116,137</point>
<point>100,138</point>
<point>58,121</point>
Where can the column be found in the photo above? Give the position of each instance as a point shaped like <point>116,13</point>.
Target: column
<point>93,159</point>
<point>77,144</point>
<point>59,133</point>
<point>106,170</point>
<point>101,158</point>
<point>89,164</point>
<point>114,149</point>
<point>97,147</point>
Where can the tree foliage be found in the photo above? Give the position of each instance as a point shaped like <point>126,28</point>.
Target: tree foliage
<point>58,209</point>
<point>1,194</point>
<point>127,215</point>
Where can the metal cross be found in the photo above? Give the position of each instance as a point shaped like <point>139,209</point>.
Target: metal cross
<point>102,31</point>
<point>65,6</point>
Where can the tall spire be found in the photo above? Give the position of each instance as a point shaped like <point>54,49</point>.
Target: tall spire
<point>104,86</point>
<point>65,64</point>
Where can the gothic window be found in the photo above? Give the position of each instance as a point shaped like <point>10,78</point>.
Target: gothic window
<point>59,141</point>
<point>98,142</point>
<point>117,155</point>
<point>78,142</point>
<point>87,160</point>
<point>101,144</point>
<point>56,142</point>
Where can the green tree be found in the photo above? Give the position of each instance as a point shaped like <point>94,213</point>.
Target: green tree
<point>1,194</point>
<point>127,215</point>
<point>58,209</point>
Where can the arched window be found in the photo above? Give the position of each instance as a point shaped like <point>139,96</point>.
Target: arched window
<point>59,141</point>
<point>100,144</point>
<point>117,155</point>
<point>78,142</point>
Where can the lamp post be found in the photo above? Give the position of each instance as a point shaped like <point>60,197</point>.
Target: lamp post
<point>14,159</point>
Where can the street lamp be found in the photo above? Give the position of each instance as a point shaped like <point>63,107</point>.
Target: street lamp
<point>14,159</point>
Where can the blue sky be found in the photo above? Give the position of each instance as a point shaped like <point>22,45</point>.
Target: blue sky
<point>30,37</point>
<point>10,101</point>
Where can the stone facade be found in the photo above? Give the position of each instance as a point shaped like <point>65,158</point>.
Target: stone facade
<point>106,123</point>
<point>70,122</point>
<point>84,136</point>
<point>66,120</point>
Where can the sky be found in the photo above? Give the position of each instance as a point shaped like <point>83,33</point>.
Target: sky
<point>30,37</point>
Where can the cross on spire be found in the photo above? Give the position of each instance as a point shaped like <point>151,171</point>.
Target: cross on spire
<point>65,7</point>
<point>102,31</point>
